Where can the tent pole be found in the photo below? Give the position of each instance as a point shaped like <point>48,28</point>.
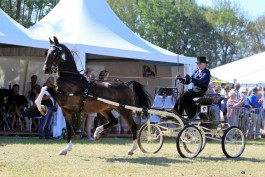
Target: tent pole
<point>25,76</point>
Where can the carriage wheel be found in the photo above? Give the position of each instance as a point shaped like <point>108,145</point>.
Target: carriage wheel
<point>150,138</point>
<point>233,142</point>
<point>189,142</point>
<point>203,139</point>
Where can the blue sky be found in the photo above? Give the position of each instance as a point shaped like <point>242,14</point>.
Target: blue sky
<point>254,8</point>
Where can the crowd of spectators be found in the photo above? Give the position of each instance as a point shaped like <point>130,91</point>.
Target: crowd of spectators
<point>250,100</point>
<point>26,117</point>
<point>23,111</point>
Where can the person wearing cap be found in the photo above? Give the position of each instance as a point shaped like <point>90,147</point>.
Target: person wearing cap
<point>256,103</point>
<point>244,93</point>
<point>254,100</point>
<point>201,79</point>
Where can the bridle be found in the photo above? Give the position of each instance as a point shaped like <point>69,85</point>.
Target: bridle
<point>58,53</point>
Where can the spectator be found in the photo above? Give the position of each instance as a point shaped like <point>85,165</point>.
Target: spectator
<point>222,89</point>
<point>103,75</point>
<point>231,104</point>
<point>224,101</point>
<point>263,113</point>
<point>100,120</point>
<point>250,91</point>
<point>29,86</point>
<point>236,89</point>
<point>256,103</point>
<point>244,95</point>
<point>260,88</point>
<point>217,102</point>
<point>210,88</point>
<point>18,101</point>
<point>32,110</point>
<point>244,114</point>
<point>46,121</point>
<point>217,89</point>
<point>254,100</point>
<point>88,120</point>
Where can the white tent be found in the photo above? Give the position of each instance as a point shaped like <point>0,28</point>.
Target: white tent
<point>20,54</point>
<point>248,70</point>
<point>13,33</point>
<point>92,27</point>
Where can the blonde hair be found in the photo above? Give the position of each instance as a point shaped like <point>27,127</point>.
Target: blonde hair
<point>232,93</point>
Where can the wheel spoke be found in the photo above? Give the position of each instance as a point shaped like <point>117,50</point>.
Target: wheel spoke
<point>150,140</point>
<point>233,142</point>
<point>189,142</point>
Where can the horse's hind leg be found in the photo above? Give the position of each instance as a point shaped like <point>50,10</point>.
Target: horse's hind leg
<point>111,122</point>
<point>127,117</point>
<point>70,132</point>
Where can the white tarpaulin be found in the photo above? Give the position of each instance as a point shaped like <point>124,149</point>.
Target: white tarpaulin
<point>92,27</point>
<point>248,70</point>
<point>13,33</point>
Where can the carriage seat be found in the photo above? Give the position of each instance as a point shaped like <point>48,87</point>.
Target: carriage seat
<point>203,100</point>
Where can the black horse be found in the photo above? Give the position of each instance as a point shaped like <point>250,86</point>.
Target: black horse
<point>73,89</point>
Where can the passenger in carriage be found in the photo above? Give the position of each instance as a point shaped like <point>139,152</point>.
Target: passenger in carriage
<point>200,78</point>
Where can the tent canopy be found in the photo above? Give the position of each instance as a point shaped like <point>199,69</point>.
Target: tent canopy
<point>248,70</point>
<point>13,33</point>
<point>91,26</point>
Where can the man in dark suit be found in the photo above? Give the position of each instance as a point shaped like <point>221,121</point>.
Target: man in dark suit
<point>200,79</point>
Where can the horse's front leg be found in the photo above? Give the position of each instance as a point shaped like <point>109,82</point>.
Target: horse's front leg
<point>70,132</point>
<point>111,122</point>
<point>40,107</point>
<point>127,117</point>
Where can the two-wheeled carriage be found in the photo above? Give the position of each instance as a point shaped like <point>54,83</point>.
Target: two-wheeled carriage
<point>191,134</point>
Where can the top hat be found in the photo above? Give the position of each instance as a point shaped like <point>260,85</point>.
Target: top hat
<point>201,60</point>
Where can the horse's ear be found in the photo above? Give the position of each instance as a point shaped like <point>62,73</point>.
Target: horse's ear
<point>51,42</point>
<point>56,42</point>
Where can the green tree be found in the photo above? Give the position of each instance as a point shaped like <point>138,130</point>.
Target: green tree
<point>256,35</point>
<point>128,12</point>
<point>176,25</point>
<point>229,23</point>
<point>27,12</point>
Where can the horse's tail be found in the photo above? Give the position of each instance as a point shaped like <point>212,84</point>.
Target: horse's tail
<point>142,97</point>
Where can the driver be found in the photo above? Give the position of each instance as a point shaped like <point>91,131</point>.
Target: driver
<point>200,79</point>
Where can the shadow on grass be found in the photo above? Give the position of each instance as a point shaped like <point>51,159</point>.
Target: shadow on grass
<point>159,161</point>
<point>164,161</point>
<point>240,159</point>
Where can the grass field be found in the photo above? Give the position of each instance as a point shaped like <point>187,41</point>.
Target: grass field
<point>34,157</point>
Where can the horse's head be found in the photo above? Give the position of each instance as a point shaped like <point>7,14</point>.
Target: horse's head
<point>55,55</point>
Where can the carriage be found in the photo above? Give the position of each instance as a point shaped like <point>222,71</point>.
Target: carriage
<point>75,94</point>
<point>191,134</point>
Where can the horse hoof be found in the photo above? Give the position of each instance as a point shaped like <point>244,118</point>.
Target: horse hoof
<point>63,153</point>
<point>43,110</point>
<point>96,138</point>
<point>130,153</point>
